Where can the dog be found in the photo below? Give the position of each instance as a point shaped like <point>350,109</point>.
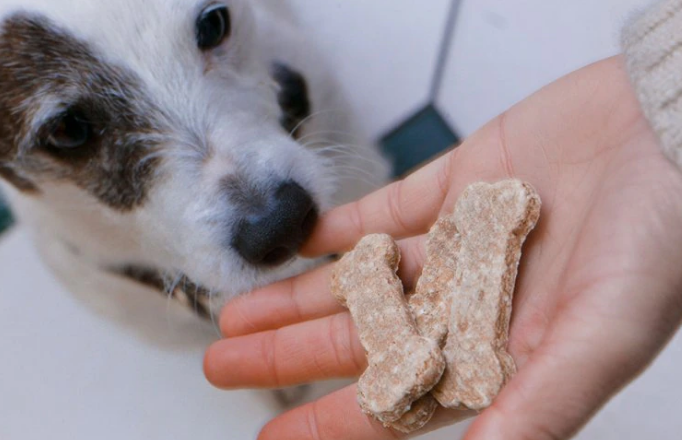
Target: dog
<point>187,146</point>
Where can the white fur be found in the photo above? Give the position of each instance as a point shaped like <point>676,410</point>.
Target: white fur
<point>220,115</point>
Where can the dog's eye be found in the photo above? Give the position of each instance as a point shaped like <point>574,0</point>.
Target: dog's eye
<point>71,130</point>
<point>213,26</point>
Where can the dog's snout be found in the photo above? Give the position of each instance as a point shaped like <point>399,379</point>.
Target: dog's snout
<point>276,232</point>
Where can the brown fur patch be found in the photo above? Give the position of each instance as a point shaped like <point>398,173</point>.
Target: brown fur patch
<point>39,60</point>
<point>21,183</point>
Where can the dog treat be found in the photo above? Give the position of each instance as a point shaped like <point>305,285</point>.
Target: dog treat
<point>418,416</point>
<point>403,365</point>
<point>430,306</point>
<point>430,303</point>
<point>493,222</point>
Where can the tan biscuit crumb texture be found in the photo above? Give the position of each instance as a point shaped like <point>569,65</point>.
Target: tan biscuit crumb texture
<point>430,303</point>
<point>430,306</point>
<point>418,416</point>
<point>403,366</point>
<point>493,222</point>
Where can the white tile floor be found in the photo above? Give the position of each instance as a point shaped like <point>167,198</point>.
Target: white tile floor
<point>384,52</point>
<point>66,374</point>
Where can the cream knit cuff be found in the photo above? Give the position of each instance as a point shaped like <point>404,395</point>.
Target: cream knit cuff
<point>652,44</point>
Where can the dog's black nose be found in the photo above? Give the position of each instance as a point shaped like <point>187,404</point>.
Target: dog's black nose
<point>276,232</point>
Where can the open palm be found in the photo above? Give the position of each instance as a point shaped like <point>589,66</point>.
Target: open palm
<point>598,295</point>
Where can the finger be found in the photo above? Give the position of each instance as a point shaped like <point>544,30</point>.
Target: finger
<point>303,298</point>
<point>338,417</point>
<point>402,209</point>
<point>326,348</point>
<point>334,417</point>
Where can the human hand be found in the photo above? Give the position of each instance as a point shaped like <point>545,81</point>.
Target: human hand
<point>598,295</point>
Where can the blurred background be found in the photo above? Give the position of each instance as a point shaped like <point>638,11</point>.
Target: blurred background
<point>420,74</point>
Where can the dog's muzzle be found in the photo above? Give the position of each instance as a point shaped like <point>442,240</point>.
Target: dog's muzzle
<point>274,232</point>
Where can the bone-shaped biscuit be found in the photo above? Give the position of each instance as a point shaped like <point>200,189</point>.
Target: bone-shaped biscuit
<point>493,222</point>
<point>403,365</point>
<point>430,303</point>
<point>430,306</point>
<point>421,412</point>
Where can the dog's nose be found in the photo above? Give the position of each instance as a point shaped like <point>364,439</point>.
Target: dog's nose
<point>277,231</point>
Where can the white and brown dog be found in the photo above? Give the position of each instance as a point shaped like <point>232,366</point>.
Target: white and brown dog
<point>188,145</point>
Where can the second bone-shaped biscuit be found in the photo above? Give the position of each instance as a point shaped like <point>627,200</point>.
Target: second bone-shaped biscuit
<point>403,365</point>
<point>430,306</point>
<point>493,222</point>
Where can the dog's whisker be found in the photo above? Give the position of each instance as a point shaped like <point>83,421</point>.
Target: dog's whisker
<point>334,151</point>
<point>311,116</point>
<point>212,314</point>
<point>341,153</point>
<point>325,134</point>
<point>350,155</point>
<point>326,145</point>
<point>355,174</point>
<point>170,295</point>
<point>304,121</point>
<point>349,171</point>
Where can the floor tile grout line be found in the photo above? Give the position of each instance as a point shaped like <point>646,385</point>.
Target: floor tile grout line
<point>444,51</point>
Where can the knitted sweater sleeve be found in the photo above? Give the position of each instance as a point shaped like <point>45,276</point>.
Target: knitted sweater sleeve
<point>652,44</point>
